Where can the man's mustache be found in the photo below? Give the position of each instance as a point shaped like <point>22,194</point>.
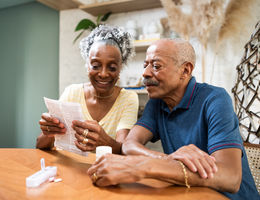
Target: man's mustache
<point>150,82</point>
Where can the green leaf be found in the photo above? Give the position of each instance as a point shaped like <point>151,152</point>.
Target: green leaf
<point>85,24</point>
<point>78,36</point>
<point>98,19</point>
<point>106,16</point>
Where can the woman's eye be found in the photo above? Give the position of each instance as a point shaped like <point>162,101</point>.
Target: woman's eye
<point>112,68</point>
<point>95,67</point>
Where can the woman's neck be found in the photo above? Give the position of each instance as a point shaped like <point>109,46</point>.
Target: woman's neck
<point>103,96</point>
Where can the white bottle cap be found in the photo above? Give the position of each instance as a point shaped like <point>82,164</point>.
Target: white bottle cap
<point>102,150</point>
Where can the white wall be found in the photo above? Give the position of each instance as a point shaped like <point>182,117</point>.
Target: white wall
<point>71,64</point>
<point>72,68</point>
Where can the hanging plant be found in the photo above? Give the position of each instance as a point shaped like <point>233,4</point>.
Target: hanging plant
<point>87,24</point>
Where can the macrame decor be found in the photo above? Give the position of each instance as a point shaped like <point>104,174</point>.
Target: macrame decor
<point>215,20</point>
<point>247,90</point>
<point>199,21</point>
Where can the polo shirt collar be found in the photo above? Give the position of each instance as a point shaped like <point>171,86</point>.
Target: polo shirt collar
<point>187,98</point>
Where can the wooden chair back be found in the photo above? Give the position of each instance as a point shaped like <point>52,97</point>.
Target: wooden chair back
<point>253,156</point>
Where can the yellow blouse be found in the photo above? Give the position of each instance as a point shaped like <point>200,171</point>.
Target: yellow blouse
<point>122,115</point>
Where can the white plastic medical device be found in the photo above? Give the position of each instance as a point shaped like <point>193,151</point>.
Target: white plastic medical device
<point>41,176</point>
<point>102,150</point>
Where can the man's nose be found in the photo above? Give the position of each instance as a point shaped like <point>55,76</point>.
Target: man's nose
<point>147,71</point>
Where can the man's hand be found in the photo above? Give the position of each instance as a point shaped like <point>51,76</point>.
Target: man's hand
<point>196,160</point>
<point>113,169</point>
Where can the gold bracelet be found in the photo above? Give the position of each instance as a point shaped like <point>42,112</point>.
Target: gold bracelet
<point>185,174</point>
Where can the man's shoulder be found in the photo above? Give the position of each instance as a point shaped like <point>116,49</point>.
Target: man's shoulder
<point>212,97</point>
<point>204,89</point>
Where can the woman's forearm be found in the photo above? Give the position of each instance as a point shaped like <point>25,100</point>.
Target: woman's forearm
<point>44,142</point>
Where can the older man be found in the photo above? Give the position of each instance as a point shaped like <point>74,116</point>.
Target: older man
<point>195,123</point>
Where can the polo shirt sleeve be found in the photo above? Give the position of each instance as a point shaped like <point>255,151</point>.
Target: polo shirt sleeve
<point>129,114</point>
<point>223,126</point>
<point>149,118</point>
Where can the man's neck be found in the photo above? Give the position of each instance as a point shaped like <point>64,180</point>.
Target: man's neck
<point>176,96</point>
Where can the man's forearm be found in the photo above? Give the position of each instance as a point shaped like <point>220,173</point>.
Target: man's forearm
<point>134,148</point>
<point>171,171</point>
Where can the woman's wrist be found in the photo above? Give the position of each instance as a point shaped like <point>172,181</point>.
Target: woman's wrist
<point>44,142</point>
<point>116,148</point>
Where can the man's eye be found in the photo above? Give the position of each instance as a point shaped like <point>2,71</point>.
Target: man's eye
<point>156,67</point>
<point>145,65</point>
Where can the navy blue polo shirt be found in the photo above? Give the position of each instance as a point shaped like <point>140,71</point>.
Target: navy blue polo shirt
<point>205,118</point>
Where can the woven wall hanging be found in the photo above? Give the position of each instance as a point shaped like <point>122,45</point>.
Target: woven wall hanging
<point>247,90</point>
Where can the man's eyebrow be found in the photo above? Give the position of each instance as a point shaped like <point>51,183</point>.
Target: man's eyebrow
<point>154,60</point>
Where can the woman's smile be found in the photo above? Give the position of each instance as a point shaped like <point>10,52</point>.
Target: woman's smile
<point>103,83</point>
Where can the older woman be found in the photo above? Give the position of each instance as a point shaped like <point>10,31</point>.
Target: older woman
<point>109,110</point>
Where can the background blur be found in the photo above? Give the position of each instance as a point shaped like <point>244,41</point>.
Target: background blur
<point>38,58</point>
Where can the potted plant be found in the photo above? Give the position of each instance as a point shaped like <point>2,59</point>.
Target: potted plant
<point>87,24</point>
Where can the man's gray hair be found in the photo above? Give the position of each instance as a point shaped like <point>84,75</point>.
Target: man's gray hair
<point>185,52</point>
<point>110,35</point>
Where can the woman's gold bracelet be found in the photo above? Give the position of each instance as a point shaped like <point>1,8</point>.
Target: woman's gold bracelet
<point>185,174</point>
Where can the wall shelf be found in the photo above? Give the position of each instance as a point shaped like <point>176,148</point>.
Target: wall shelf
<point>118,6</point>
<point>142,45</point>
<point>138,91</point>
<point>143,91</point>
<point>60,4</point>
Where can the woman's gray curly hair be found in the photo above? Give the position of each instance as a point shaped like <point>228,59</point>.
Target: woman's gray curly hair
<point>121,38</point>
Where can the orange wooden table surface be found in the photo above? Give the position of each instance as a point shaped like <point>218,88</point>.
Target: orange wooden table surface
<point>17,164</point>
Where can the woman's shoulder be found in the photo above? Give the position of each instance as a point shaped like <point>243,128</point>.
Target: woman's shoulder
<point>74,86</point>
<point>128,94</point>
<point>72,91</point>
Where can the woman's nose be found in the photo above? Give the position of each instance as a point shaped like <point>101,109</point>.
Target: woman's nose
<point>103,73</point>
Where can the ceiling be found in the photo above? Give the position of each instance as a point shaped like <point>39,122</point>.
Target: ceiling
<point>54,4</point>
<point>8,3</point>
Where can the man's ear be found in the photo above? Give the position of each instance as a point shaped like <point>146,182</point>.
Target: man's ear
<point>187,69</point>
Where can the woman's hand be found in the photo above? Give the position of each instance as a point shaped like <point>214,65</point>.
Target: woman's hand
<point>96,136</point>
<point>195,160</point>
<point>51,126</point>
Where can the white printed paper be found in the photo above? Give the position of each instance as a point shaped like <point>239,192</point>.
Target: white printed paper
<point>66,112</point>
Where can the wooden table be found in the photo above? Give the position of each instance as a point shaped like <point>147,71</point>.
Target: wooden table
<point>17,164</point>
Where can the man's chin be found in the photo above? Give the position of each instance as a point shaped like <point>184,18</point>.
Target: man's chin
<point>152,93</point>
<point>153,96</point>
